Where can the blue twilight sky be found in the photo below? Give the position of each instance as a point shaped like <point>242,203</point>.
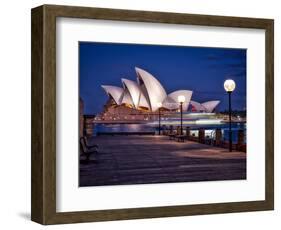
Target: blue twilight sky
<point>202,70</point>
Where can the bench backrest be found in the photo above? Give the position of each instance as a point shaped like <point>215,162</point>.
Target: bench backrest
<point>83,145</point>
<point>85,140</point>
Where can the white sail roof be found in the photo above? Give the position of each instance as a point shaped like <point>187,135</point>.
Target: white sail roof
<point>126,98</point>
<point>138,99</point>
<point>207,106</point>
<point>133,89</point>
<point>171,101</point>
<point>210,106</point>
<point>143,101</point>
<point>152,90</point>
<point>148,93</point>
<point>197,106</point>
<point>115,92</point>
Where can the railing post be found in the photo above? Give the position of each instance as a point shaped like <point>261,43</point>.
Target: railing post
<point>218,137</point>
<point>201,135</point>
<point>164,130</point>
<point>187,133</point>
<point>171,129</point>
<point>178,130</point>
<point>240,139</point>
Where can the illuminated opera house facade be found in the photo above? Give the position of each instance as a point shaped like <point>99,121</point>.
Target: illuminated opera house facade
<point>142,99</point>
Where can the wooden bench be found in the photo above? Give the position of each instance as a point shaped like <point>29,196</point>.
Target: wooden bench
<point>180,138</point>
<point>172,136</point>
<point>89,145</point>
<point>87,150</point>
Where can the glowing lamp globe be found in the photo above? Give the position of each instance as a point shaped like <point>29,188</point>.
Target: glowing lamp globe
<point>181,99</point>
<point>229,85</point>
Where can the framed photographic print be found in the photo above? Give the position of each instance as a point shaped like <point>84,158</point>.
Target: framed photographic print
<point>141,114</point>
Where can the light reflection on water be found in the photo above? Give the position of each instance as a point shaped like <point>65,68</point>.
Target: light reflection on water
<point>153,127</point>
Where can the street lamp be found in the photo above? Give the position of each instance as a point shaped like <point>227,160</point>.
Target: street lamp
<point>181,100</point>
<point>159,105</point>
<point>229,86</point>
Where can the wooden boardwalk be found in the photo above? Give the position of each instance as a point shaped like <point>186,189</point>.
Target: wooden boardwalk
<point>156,159</point>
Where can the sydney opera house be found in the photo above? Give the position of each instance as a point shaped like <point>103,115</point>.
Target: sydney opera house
<point>143,98</point>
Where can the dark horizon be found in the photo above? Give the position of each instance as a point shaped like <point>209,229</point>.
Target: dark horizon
<point>202,70</point>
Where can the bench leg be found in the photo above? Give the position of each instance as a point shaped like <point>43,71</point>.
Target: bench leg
<point>87,157</point>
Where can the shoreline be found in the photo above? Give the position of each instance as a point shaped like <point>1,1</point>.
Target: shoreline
<point>156,121</point>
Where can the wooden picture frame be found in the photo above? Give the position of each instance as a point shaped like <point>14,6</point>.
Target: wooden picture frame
<point>43,208</point>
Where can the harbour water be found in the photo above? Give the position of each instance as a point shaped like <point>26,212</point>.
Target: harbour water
<point>209,127</point>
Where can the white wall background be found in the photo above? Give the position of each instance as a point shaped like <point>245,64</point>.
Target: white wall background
<point>15,113</point>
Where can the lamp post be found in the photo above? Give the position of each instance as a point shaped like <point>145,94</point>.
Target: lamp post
<point>181,100</point>
<point>229,86</point>
<point>159,105</point>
